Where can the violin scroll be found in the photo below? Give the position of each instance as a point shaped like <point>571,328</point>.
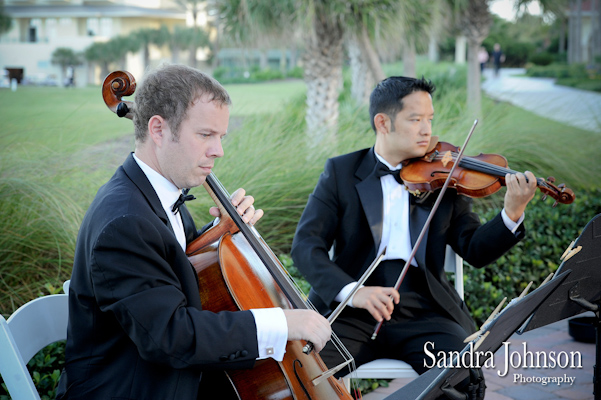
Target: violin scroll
<point>116,85</point>
<point>560,192</point>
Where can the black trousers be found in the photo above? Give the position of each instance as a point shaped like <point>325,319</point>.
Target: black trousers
<point>400,338</point>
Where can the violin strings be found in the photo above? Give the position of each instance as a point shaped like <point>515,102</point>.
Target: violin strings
<point>472,161</point>
<point>494,169</point>
<point>469,161</point>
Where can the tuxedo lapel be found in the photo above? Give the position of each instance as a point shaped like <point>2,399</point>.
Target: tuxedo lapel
<point>137,176</point>
<point>369,190</point>
<point>188,222</point>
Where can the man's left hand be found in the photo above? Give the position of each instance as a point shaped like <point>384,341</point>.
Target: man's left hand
<point>519,193</point>
<point>244,206</point>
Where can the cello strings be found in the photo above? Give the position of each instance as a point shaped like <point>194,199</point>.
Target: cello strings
<point>293,284</point>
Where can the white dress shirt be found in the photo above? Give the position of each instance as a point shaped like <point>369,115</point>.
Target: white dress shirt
<point>395,225</point>
<point>272,328</point>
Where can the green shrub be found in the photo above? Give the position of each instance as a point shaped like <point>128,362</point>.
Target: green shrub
<point>549,231</point>
<point>37,239</point>
<point>559,70</point>
<point>45,369</point>
<point>543,58</point>
<point>229,75</point>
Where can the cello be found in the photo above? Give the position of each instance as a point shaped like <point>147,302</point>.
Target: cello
<point>237,270</point>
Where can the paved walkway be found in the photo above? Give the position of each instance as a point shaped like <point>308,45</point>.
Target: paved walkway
<point>526,383</point>
<point>576,108</point>
<point>541,96</point>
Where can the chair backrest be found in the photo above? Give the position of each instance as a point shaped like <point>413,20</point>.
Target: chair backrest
<point>454,263</point>
<point>385,368</point>
<point>28,330</point>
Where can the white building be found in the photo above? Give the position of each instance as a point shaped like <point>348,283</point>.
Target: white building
<point>41,26</point>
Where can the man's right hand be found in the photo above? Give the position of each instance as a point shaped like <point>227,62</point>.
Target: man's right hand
<point>308,325</point>
<point>377,300</point>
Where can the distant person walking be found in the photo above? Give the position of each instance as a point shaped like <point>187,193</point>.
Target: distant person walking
<point>482,58</point>
<point>498,57</point>
<point>70,81</point>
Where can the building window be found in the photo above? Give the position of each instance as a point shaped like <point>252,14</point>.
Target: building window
<point>35,25</point>
<point>100,27</point>
<point>106,27</point>
<point>92,27</point>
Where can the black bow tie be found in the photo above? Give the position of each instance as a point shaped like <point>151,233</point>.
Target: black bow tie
<point>183,197</point>
<point>382,170</point>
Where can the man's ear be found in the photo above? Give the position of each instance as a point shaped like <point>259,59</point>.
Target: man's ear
<point>382,123</point>
<point>157,129</point>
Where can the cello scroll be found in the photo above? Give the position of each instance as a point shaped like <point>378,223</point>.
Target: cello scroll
<point>116,85</point>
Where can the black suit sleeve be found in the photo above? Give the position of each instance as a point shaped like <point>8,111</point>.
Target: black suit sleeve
<point>315,235</point>
<point>134,280</point>
<point>479,244</point>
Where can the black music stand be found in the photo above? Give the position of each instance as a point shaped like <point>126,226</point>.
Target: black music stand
<point>430,385</point>
<point>579,293</point>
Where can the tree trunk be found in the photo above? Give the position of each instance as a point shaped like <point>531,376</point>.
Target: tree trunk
<point>284,61</point>
<point>322,61</point>
<point>216,44</point>
<point>433,52</point>
<point>596,31</point>
<point>362,80</point>
<point>475,24</point>
<point>370,55</point>
<point>263,59</point>
<point>409,64</point>
<point>146,53</point>
<point>174,54</point>
<point>562,36</point>
<point>579,55</point>
<point>194,47</point>
<point>460,46</point>
<point>575,33</point>
<point>474,97</point>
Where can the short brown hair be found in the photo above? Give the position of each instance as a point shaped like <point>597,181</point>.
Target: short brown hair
<point>169,91</point>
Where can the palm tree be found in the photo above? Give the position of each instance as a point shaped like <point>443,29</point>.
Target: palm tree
<point>473,19</point>
<point>556,9</point>
<point>144,37</point>
<point>5,20</point>
<point>323,25</point>
<point>98,52</point>
<point>107,53</point>
<point>322,29</point>
<point>65,57</point>
<point>194,7</point>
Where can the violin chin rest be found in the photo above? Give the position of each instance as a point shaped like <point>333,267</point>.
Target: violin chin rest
<point>433,143</point>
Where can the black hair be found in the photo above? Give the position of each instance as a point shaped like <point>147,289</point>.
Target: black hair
<point>388,95</point>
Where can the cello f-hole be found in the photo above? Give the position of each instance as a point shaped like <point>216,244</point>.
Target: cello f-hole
<point>298,378</point>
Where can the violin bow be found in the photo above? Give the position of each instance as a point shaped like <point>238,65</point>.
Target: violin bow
<point>428,221</point>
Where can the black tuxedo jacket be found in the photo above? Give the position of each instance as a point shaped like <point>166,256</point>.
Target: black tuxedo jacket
<point>345,211</point>
<point>136,325</point>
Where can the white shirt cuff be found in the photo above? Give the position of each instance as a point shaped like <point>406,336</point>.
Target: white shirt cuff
<point>272,332</point>
<point>512,226</point>
<point>345,292</point>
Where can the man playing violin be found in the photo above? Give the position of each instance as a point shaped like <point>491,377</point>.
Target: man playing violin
<point>137,329</point>
<point>359,208</point>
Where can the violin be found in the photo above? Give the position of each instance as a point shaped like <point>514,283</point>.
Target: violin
<point>477,176</point>
<point>237,270</point>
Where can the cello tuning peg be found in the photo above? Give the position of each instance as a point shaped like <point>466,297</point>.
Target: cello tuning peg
<point>544,197</point>
<point>550,179</point>
<point>561,186</point>
<point>555,204</point>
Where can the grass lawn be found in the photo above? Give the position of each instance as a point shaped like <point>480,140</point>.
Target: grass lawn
<point>67,120</point>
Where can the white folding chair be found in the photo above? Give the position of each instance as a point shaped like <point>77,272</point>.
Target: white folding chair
<point>28,330</point>
<point>386,368</point>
